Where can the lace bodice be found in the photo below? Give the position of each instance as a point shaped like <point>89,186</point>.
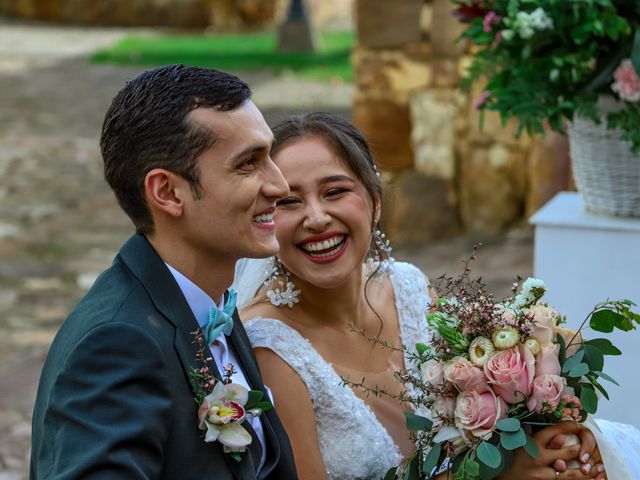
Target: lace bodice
<point>353,443</point>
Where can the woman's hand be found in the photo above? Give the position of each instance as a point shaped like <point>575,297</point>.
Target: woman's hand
<point>589,456</point>
<point>524,466</point>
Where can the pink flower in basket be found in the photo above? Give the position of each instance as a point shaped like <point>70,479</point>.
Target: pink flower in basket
<point>510,373</point>
<point>627,82</point>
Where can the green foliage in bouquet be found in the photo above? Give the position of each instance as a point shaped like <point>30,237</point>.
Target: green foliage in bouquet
<point>469,331</point>
<point>546,61</point>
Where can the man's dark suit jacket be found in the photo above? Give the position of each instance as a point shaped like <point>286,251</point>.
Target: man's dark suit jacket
<point>114,400</point>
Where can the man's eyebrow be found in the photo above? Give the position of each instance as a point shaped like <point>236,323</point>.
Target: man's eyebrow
<point>252,149</point>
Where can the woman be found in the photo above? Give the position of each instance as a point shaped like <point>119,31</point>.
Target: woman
<point>332,285</point>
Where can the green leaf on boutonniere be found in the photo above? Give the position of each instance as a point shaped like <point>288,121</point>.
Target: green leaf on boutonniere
<point>417,422</point>
<point>264,406</point>
<point>255,396</point>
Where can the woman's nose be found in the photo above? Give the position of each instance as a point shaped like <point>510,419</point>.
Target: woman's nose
<point>316,217</point>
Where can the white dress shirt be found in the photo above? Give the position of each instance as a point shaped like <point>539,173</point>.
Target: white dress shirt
<point>222,354</point>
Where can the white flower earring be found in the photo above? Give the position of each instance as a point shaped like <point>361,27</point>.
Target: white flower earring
<point>379,260</point>
<point>280,292</point>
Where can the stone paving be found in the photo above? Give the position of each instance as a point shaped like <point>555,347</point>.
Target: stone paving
<point>59,224</point>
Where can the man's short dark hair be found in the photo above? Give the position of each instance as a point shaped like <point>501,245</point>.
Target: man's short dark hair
<point>146,127</point>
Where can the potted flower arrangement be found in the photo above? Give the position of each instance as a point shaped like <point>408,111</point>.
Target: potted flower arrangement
<point>551,62</point>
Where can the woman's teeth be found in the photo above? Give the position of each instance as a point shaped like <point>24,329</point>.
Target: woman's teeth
<point>319,249</point>
<point>264,218</point>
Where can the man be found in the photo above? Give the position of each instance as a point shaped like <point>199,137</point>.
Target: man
<point>186,153</point>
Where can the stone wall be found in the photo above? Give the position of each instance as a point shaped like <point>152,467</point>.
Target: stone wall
<point>218,14</point>
<point>446,175</point>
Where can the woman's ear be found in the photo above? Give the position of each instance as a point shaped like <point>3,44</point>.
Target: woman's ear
<point>163,193</point>
<point>377,209</point>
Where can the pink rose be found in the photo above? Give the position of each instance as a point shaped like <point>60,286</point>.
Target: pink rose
<point>511,373</point>
<point>479,410</point>
<point>443,407</point>
<point>547,389</point>
<point>462,373</point>
<point>544,318</point>
<point>547,362</point>
<point>432,373</point>
<point>627,83</point>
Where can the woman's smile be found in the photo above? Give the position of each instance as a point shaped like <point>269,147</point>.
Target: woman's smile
<point>325,251</point>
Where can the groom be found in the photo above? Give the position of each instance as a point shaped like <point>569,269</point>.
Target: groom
<point>187,154</point>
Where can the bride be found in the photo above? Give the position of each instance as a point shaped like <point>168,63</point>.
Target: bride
<point>334,273</point>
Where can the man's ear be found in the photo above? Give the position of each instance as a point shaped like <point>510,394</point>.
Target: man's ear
<point>163,191</point>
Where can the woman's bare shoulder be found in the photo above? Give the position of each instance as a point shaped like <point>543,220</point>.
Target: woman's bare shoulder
<point>259,309</point>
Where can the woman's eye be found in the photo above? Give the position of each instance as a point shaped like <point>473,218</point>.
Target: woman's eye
<point>287,201</point>
<point>335,191</point>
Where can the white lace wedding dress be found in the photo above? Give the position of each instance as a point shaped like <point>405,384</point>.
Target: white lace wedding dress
<point>353,443</point>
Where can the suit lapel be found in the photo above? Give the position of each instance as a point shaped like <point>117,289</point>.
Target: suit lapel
<point>147,266</point>
<point>249,365</point>
<point>155,277</point>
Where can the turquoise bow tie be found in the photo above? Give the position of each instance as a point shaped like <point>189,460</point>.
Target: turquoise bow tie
<point>221,320</point>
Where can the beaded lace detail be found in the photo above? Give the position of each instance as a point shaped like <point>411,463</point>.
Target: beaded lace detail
<point>353,443</point>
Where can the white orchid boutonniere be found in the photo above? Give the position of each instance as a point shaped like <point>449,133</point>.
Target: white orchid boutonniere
<point>223,406</point>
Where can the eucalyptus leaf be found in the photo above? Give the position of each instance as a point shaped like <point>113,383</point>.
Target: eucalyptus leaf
<point>606,320</point>
<point>588,398</point>
<point>417,422</point>
<point>600,388</point>
<point>531,447</point>
<point>509,425</point>
<point>604,345</point>
<point>635,51</point>
<point>471,469</point>
<point>489,454</point>
<point>431,459</point>
<point>513,440</point>
<point>607,377</point>
<point>593,357</point>
<point>579,370</point>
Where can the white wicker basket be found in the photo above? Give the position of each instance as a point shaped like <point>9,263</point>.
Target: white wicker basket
<point>606,173</point>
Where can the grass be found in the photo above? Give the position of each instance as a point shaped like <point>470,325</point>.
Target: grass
<point>237,52</point>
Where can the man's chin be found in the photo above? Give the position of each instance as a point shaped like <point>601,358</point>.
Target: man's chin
<point>265,250</point>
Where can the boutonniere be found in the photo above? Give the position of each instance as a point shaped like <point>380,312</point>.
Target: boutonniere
<point>223,406</point>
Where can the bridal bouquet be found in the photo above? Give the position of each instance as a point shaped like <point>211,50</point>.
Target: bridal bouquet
<point>495,371</point>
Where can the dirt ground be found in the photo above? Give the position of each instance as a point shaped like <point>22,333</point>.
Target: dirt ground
<point>60,225</point>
